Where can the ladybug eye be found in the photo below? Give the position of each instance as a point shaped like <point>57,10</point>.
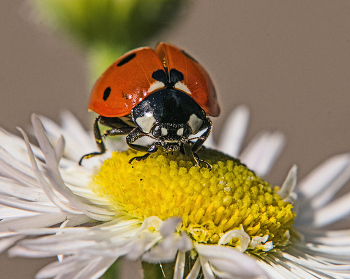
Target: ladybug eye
<point>156,132</point>
<point>186,132</point>
<point>183,132</point>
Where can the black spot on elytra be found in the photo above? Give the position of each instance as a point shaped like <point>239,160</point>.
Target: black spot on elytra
<point>189,56</point>
<point>175,76</point>
<point>106,93</point>
<point>126,59</point>
<point>161,76</point>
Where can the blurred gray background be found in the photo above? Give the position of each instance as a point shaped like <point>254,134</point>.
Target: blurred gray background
<point>288,61</point>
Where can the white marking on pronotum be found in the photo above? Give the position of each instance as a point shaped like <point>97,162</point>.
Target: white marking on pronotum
<point>146,122</point>
<point>164,131</point>
<point>195,123</point>
<point>181,86</point>
<point>180,132</point>
<point>155,86</point>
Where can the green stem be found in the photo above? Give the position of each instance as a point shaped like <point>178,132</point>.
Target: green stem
<point>113,272</point>
<point>158,271</point>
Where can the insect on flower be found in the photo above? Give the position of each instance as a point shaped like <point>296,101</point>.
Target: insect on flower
<point>163,94</point>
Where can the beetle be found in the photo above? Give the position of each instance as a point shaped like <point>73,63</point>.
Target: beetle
<point>164,94</point>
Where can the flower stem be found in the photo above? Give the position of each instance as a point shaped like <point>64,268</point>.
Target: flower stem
<point>158,271</point>
<point>113,272</point>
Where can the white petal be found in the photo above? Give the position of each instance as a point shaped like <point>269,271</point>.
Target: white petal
<point>242,235</point>
<point>42,220</point>
<point>272,272</point>
<point>332,238</point>
<point>18,251</point>
<point>179,265</point>
<point>59,148</point>
<point>185,243</point>
<point>141,243</point>
<point>319,253</point>
<point>30,206</point>
<point>73,149</point>
<point>324,174</point>
<point>95,269</point>
<point>286,191</point>
<point>284,270</point>
<point>208,273</point>
<point>224,275</point>
<point>55,178</point>
<point>67,265</point>
<point>195,270</point>
<point>316,265</point>
<point>165,251</point>
<point>15,146</point>
<point>58,231</point>
<point>59,247</point>
<point>9,241</point>
<point>119,222</point>
<point>152,221</point>
<point>343,251</point>
<point>60,257</point>
<point>209,143</point>
<point>325,196</point>
<point>234,131</point>
<point>22,192</point>
<point>11,161</point>
<point>50,193</point>
<point>333,212</point>
<point>18,175</point>
<point>227,259</point>
<point>9,212</point>
<point>74,128</point>
<point>262,152</point>
<point>169,226</point>
<point>93,212</point>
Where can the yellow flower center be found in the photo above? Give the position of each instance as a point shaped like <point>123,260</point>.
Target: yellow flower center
<point>211,203</point>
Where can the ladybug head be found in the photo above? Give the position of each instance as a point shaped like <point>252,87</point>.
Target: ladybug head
<point>170,131</point>
<point>169,116</point>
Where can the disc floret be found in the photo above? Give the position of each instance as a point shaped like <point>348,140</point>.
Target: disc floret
<point>223,206</point>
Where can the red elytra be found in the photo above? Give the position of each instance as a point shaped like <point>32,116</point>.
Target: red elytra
<point>130,78</point>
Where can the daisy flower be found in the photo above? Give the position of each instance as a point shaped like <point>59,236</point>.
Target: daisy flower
<point>224,223</point>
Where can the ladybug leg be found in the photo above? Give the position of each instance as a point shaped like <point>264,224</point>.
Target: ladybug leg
<point>98,140</point>
<point>117,132</point>
<point>115,123</point>
<point>182,150</point>
<point>113,132</point>
<point>198,144</point>
<point>153,148</point>
<point>118,126</point>
<point>133,136</point>
<point>198,161</point>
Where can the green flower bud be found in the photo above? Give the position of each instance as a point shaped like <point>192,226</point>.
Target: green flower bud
<point>108,28</point>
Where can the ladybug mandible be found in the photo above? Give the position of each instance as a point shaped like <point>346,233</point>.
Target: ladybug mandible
<point>163,94</point>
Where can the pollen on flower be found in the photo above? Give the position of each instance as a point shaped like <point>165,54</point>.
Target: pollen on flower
<point>211,203</point>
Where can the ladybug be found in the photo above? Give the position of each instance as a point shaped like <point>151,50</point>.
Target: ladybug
<point>164,94</point>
